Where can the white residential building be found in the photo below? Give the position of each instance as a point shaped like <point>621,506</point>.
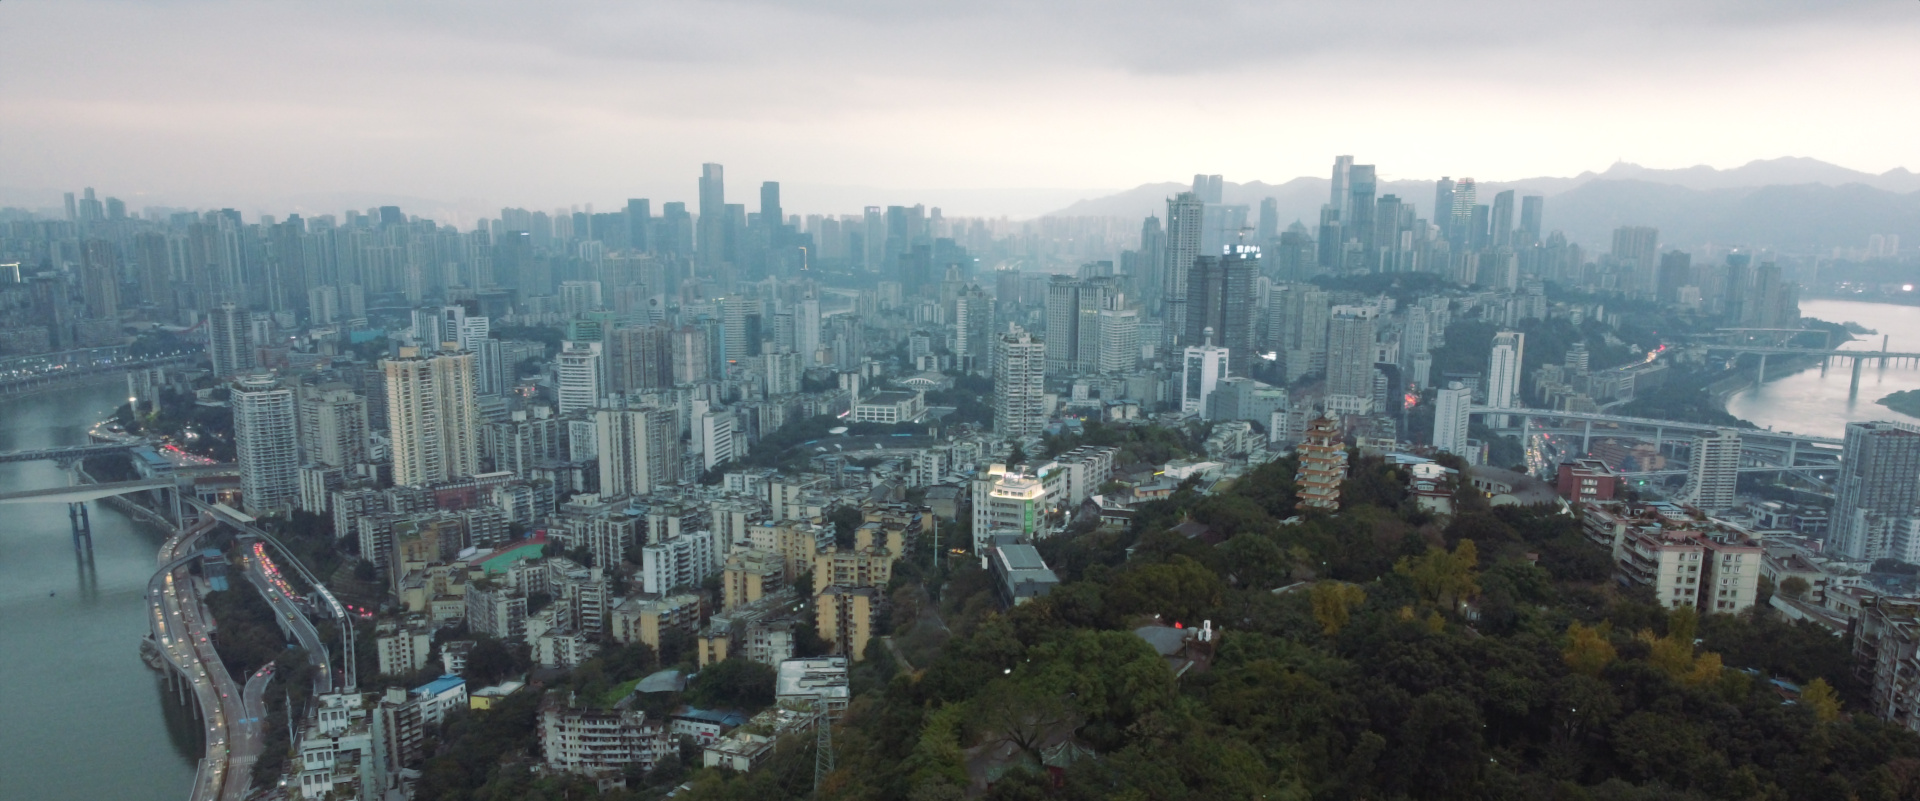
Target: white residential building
<point>580,376</point>
<point>265,444</point>
<point>682,561</point>
<point>1450,419</point>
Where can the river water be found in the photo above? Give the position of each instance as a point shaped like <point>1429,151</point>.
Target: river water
<point>1808,402</point>
<point>81,716</point>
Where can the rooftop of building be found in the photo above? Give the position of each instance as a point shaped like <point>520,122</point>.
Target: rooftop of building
<point>440,685</point>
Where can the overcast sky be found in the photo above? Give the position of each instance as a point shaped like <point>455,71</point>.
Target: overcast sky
<point>886,101</point>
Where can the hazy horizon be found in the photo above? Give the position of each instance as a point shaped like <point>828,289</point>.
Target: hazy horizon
<point>1016,108</point>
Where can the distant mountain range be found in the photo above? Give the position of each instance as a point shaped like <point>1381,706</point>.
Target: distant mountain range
<point>1786,203</point>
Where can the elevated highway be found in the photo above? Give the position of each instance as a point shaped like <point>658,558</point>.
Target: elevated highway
<point>181,638</point>
<point>244,523</point>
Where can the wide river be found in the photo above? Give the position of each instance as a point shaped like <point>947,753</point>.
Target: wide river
<point>80,715</point>
<point>1808,402</point>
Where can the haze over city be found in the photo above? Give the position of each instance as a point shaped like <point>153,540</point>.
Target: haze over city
<point>994,401</point>
<point>989,108</point>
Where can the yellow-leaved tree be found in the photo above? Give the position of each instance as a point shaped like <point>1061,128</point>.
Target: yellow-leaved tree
<point>1589,649</point>
<point>1334,602</point>
<point>1443,578</point>
<point>1819,696</point>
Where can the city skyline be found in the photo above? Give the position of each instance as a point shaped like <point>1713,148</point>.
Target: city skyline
<point>564,108</point>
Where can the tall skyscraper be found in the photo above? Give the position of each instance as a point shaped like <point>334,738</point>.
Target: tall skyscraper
<point>972,329</point>
<point>265,444</point>
<point>806,328</point>
<point>1503,372</point>
<point>579,376</point>
<point>1713,472</point>
<point>229,340</point>
<point>433,415</point>
<point>1185,218</point>
<point>1879,478</point>
<point>1338,199</point>
<point>1450,418</point>
<point>1151,279</point>
<point>1019,384</point>
<point>1357,220</point>
<point>710,235</point>
<point>639,450</point>
<point>1063,313</point>
<point>1350,353</point>
<point>771,217</point>
<point>1443,206</point>
<point>1269,219</point>
<point>1503,219</point>
<point>1220,296</point>
<point>1461,225</point>
<point>1532,212</point>
<point>1201,368</point>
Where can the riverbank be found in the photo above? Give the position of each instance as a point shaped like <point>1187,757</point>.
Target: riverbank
<point>69,659</point>
<point>1800,396</point>
<point>1906,402</point>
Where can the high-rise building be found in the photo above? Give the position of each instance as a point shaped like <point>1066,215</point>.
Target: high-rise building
<point>1503,219</point>
<point>1299,328</point>
<point>1185,221</point>
<point>578,374</point>
<point>806,328</point>
<point>710,233</point>
<point>1504,370</point>
<point>264,444</point>
<point>1220,296</point>
<point>972,329</point>
<point>1357,220</point>
<point>640,357</point>
<point>1532,213</point>
<point>1019,384</point>
<point>1443,205</point>
<point>741,326</point>
<point>1460,225</point>
<point>639,450</point>
<point>1879,478</point>
<point>714,438</point>
<point>1713,472</point>
<point>1063,315</point>
<point>1676,271</point>
<point>229,340</point>
<point>156,269</point>
<point>691,360</point>
<point>1637,248</point>
<point>1350,356</point>
<point>1269,219</point>
<point>1202,367</point>
<point>433,415</point>
<point>100,279</point>
<point>333,426</point>
<point>1337,200</point>
<point>1450,418</point>
<point>1119,341</point>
